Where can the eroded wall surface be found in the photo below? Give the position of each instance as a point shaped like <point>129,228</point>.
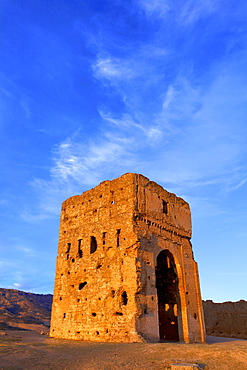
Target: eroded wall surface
<point>106,275</point>
<point>228,319</point>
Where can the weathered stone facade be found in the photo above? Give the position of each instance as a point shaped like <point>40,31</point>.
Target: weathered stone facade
<point>125,269</point>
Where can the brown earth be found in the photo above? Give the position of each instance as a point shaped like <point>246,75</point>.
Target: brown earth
<point>31,350</point>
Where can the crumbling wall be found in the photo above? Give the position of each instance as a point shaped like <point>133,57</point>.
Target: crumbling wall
<point>228,319</point>
<point>94,296</point>
<point>106,279</point>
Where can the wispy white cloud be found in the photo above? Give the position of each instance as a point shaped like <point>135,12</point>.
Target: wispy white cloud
<point>192,140</point>
<point>239,185</point>
<point>157,7</point>
<point>113,68</point>
<point>192,11</point>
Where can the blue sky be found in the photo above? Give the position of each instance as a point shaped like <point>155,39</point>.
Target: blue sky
<point>90,90</point>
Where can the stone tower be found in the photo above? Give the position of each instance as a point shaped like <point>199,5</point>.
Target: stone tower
<point>125,269</point>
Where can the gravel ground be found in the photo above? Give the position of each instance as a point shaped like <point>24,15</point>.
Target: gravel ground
<point>31,350</point>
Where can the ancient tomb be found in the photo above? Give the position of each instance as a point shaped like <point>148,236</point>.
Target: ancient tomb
<point>125,269</point>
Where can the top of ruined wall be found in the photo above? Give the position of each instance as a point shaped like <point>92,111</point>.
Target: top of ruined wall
<point>135,194</point>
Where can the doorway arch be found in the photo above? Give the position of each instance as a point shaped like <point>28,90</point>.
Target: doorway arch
<point>168,296</point>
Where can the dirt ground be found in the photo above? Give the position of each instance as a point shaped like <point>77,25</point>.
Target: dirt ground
<point>31,350</point>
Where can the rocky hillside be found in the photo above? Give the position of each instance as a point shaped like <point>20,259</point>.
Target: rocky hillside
<point>28,308</point>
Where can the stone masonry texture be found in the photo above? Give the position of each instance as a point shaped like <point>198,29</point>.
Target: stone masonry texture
<point>125,269</point>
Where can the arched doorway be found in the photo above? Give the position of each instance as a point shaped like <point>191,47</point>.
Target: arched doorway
<point>168,297</point>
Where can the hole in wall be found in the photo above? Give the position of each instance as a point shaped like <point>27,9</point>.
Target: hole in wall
<point>195,316</point>
<point>119,314</point>
<point>164,207</point>
<point>80,253</point>
<point>113,293</point>
<point>124,298</point>
<point>60,298</point>
<point>64,315</point>
<point>104,238</point>
<point>94,314</point>
<point>81,285</point>
<point>93,244</point>
<point>97,333</point>
<point>99,266</point>
<point>118,237</point>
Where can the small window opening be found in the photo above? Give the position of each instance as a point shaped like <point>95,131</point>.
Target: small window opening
<point>93,244</point>
<point>80,253</point>
<point>124,298</point>
<point>81,285</point>
<point>118,237</point>
<point>64,315</point>
<point>195,316</point>
<point>68,248</point>
<point>164,207</point>
<point>104,238</point>
<point>94,314</point>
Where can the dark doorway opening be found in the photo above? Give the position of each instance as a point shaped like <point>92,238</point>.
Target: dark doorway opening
<point>168,297</point>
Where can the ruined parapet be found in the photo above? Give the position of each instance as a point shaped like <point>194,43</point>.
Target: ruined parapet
<point>125,269</point>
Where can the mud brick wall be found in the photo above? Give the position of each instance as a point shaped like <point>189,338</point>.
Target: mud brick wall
<point>228,319</point>
<point>119,245</point>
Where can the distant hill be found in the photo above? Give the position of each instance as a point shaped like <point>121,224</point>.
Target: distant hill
<point>32,311</point>
<point>17,307</point>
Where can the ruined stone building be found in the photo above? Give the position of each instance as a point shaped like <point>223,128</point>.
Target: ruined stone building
<point>125,269</point>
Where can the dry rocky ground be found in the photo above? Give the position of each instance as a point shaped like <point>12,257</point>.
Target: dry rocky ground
<point>28,349</point>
